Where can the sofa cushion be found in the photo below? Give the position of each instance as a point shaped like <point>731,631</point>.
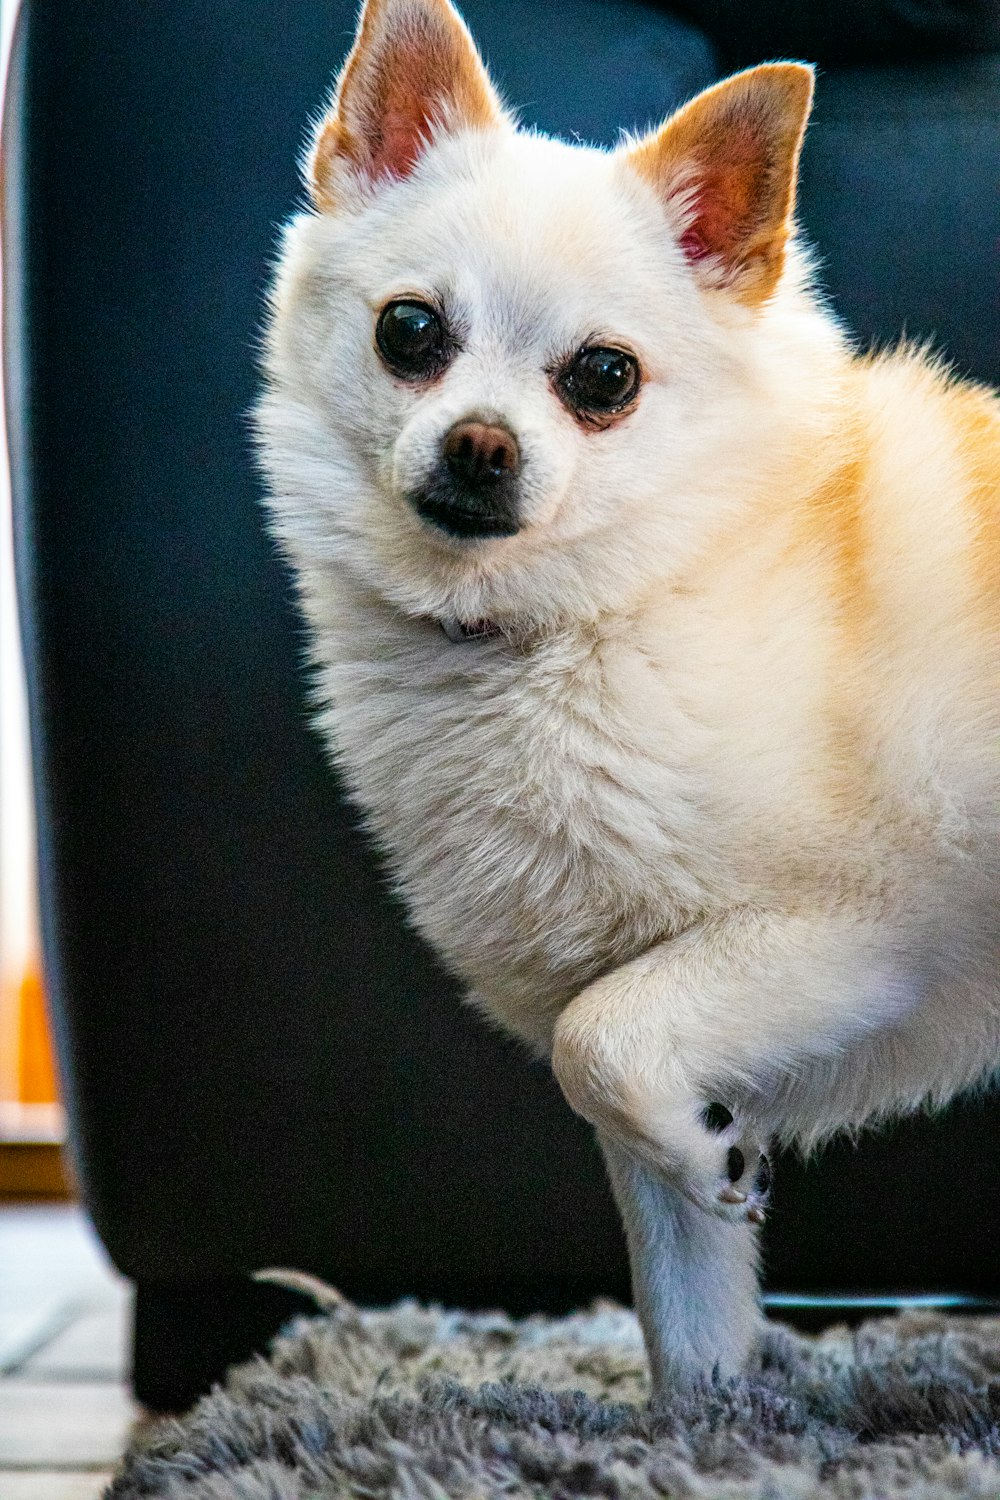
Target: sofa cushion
<point>854,31</point>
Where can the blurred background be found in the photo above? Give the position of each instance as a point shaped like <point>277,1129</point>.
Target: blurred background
<point>32,1123</point>
<point>258,1062</point>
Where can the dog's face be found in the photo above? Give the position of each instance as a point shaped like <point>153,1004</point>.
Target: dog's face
<point>500,362</point>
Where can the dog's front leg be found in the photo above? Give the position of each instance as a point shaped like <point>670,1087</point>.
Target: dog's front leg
<point>717,1016</point>
<point>694,1277</point>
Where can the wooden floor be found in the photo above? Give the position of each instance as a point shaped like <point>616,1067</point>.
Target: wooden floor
<point>65,1411</point>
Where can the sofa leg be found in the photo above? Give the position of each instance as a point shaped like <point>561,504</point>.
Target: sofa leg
<point>188,1333</point>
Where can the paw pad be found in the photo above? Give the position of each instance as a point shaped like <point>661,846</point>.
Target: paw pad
<point>735,1163</point>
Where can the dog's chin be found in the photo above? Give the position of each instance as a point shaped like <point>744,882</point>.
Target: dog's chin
<point>450,560</point>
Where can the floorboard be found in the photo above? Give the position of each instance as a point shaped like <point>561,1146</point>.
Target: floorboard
<point>54,1484</point>
<point>65,1407</point>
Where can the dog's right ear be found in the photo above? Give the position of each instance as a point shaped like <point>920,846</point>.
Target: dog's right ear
<point>413,71</point>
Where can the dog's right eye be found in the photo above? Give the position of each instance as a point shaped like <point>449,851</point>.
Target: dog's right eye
<point>411,339</point>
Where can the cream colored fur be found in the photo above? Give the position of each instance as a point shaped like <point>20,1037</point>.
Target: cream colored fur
<point>714,818</point>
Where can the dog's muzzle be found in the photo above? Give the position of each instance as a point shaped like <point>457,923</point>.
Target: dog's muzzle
<point>474,489</point>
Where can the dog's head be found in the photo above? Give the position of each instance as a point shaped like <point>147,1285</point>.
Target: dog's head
<point>507,372</point>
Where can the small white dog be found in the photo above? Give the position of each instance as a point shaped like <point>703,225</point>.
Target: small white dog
<point>656,632</point>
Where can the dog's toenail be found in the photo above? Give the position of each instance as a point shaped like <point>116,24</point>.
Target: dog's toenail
<point>735,1163</point>
<point>755,1215</point>
<point>732,1195</point>
<point>763,1179</point>
<point>716,1117</point>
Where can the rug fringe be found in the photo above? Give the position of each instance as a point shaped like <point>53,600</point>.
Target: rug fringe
<point>325,1296</point>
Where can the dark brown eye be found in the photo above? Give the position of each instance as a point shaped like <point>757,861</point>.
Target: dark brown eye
<point>411,339</point>
<point>599,380</point>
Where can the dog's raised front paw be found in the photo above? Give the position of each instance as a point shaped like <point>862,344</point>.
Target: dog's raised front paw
<point>716,1161</point>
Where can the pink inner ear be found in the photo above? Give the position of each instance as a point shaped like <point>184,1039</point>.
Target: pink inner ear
<point>402,106</point>
<point>728,191</point>
<point>693,245</point>
<point>400,142</point>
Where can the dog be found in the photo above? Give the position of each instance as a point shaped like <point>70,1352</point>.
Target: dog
<point>655,630</point>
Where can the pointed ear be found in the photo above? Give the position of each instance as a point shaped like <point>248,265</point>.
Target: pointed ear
<point>413,69</point>
<point>726,166</point>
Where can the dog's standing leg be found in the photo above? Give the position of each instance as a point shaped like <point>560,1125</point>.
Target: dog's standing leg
<point>694,1277</point>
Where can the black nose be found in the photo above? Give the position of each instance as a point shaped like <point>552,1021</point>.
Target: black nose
<point>481,454</point>
<point>474,489</point>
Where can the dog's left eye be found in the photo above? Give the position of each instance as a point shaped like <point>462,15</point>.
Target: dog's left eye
<point>411,339</point>
<point>599,380</point>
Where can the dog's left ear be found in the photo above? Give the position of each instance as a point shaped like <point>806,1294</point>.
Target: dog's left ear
<point>413,71</point>
<point>726,165</point>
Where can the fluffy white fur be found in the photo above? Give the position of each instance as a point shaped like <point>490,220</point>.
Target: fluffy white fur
<point>714,817</point>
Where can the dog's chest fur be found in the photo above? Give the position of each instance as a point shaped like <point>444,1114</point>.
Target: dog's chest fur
<point>549,807</point>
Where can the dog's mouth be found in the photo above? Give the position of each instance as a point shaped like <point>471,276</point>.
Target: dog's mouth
<point>469,512</point>
<point>475,523</point>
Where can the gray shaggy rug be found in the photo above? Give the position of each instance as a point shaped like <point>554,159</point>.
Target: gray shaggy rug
<point>418,1404</point>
